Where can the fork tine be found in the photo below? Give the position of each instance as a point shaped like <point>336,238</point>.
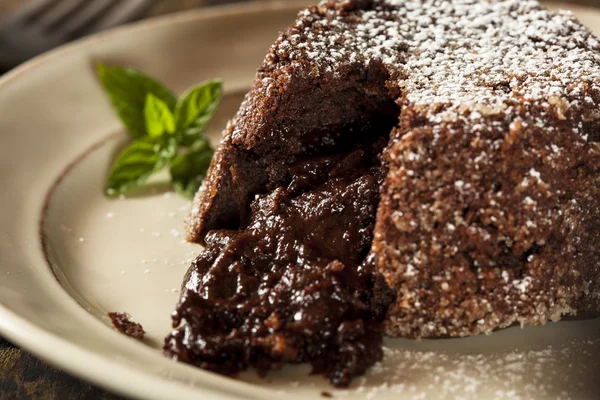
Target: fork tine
<point>127,10</point>
<point>81,22</point>
<point>60,13</point>
<point>33,9</point>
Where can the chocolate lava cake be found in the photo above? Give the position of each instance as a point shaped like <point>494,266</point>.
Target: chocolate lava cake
<point>404,168</point>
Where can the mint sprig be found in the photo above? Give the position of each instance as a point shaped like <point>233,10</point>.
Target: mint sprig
<point>165,131</point>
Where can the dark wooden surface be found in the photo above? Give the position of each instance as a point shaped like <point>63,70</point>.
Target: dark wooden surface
<point>23,376</point>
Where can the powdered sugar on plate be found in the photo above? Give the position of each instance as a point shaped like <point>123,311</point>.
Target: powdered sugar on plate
<point>473,369</point>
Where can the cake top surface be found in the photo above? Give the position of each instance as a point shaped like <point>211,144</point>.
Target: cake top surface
<point>482,56</point>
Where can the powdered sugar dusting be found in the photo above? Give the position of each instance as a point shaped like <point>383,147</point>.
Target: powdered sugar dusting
<point>516,374</point>
<point>560,365</point>
<point>471,56</point>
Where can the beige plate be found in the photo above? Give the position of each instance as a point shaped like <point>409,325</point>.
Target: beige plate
<point>128,255</point>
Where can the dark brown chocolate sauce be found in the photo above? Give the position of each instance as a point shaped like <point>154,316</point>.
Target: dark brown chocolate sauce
<point>296,284</point>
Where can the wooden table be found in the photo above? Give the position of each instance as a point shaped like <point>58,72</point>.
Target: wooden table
<point>23,376</point>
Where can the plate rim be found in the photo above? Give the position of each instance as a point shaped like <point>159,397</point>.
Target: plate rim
<point>37,340</point>
<point>113,376</point>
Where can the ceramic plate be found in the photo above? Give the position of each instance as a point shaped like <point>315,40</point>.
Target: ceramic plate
<point>68,255</point>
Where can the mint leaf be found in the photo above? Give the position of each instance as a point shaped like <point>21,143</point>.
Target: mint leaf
<point>196,107</point>
<point>127,90</point>
<point>137,162</point>
<point>149,110</point>
<point>159,119</point>
<point>187,170</point>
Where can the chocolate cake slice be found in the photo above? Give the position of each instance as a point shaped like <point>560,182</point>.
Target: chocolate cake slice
<point>417,168</point>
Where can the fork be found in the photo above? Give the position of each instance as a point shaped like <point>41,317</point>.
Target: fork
<point>43,24</point>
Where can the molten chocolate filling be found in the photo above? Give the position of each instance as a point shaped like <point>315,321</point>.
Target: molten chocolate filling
<point>297,283</point>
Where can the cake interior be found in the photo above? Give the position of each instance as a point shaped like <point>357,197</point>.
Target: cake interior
<point>296,282</point>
